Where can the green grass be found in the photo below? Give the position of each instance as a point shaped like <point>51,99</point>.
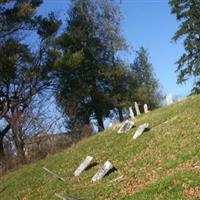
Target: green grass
<point>164,163</point>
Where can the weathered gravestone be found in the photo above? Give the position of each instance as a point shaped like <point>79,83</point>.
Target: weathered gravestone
<point>102,171</point>
<point>60,196</point>
<point>53,174</point>
<point>169,99</point>
<point>83,165</point>
<point>131,113</point>
<point>115,125</point>
<point>137,108</point>
<point>146,108</point>
<point>181,99</point>
<point>119,178</point>
<point>140,130</point>
<point>127,125</point>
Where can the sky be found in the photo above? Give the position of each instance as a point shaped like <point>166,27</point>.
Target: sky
<point>147,23</point>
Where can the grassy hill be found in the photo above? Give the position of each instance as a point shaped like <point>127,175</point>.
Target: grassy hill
<point>164,163</point>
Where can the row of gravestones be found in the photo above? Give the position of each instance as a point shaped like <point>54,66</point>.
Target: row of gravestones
<point>124,127</point>
<point>169,101</point>
<point>131,113</point>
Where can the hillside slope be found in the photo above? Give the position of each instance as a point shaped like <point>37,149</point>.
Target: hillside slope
<point>164,163</point>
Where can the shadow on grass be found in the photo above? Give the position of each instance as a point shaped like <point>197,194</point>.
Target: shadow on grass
<point>111,171</point>
<point>91,166</point>
<point>2,190</point>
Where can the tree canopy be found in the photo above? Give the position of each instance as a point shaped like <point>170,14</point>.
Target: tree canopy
<point>188,13</point>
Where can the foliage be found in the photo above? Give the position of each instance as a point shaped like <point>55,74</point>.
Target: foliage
<point>188,13</point>
<point>87,51</point>
<point>124,85</point>
<point>148,91</point>
<point>23,74</point>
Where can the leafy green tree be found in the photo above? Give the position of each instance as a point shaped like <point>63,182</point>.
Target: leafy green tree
<point>148,86</point>
<point>87,49</point>
<point>188,13</point>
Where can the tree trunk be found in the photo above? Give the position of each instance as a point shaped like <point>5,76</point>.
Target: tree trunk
<point>18,143</point>
<point>17,134</point>
<point>2,153</point>
<point>2,135</point>
<point>121,118</point>
<point>99,121</point>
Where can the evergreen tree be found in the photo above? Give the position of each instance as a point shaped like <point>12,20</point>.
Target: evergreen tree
<point>188,13</point>
<point>87,49</point>
<point>124,85</point>
<point>148,87</point>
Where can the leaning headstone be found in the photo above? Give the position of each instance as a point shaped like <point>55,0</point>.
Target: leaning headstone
<point>140,130</point>
<point>127,125</point>
<point>117,179</point>
<point>102,171</point>
<point>115,125</point>
<point>60,196</point>
<point>83,165</point>
<point>146,108</point>
<point>169,99</point>
<point>131,113</point>
<point>137,108</point>
<point>54,174</point>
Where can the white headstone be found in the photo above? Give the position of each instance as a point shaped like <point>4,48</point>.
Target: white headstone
<point>102,171</point>
<point>127,125</point>
<point>131,113</point>
<point>146,108</point>
<point>181,99</point>
<point>137,108</point>
<point>110,125</point>
<point>115,125</point>
<point>169,99</point>
<point>140,130</point>
<point>83,165</point>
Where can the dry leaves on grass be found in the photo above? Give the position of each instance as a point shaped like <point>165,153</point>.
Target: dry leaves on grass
<point>192,192</point>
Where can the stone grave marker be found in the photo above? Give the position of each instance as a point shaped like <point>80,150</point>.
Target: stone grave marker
<point>169,99</point>
<point>53,174</point>
<point>127,125</point>
<point>181,99</point>
<point>102,171</point>
<point>115,125</point>
<point>140,130</point>
<point>146,108</point>
<point>117,179</point>
<point>83,165</point>
<point>110,125</point>
<point>61,196</point>
<point>137,108</point>
<point>131,113</point>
